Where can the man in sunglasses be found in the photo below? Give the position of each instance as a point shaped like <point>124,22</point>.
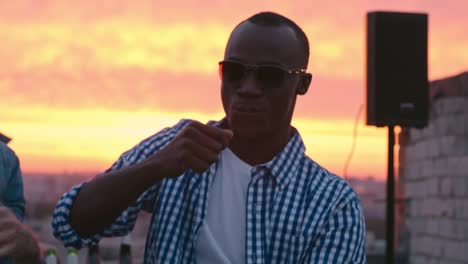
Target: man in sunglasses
<point>239,190</point>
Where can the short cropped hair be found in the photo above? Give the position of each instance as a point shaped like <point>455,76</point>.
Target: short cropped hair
<point>271,19</point>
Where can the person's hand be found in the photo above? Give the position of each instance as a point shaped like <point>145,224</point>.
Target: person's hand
<point>196,147</point>
<point>17,240</point>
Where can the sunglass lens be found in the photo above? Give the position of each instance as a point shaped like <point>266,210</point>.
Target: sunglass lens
<point>231,71</point>
<point>270,76</point>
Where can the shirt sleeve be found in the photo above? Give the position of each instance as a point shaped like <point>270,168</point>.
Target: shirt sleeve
<point>343,237</point>
<point>13,196</point>
<point>62,228</point>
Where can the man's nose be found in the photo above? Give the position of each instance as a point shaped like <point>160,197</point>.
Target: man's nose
<point>250,85</point>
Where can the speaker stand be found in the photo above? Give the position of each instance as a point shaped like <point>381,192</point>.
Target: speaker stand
<point>389,231</point>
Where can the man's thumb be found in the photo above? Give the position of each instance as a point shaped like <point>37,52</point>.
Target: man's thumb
<point>228,132</point>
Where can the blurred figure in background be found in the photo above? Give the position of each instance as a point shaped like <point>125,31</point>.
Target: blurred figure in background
<point>18,244</point>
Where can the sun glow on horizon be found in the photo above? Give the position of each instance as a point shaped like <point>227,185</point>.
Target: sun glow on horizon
<point>91,140</point>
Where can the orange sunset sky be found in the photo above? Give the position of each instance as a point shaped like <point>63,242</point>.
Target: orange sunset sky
<point>83,81</point>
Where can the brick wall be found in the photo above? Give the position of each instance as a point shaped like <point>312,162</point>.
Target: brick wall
<point>433,174</point>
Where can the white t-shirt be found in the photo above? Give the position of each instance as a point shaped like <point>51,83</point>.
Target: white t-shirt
<point>221,237</point>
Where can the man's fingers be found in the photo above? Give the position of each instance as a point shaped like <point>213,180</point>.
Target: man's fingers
<point>7,249</point>
<point>202,152</point>
<point>222,135</point>
<point>4,211</point>
<point>7,242</point>
<point>203,139</point>
<point>197,164</point>
<point>228,132</point>
<point>196,148</point>
<point>6,236</point>
<point>7,221</point>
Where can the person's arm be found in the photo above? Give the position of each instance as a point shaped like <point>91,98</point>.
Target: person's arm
<point>13,196</point>
<point>108,204</point>
<point>342,239</point>
<point>103,199</point>
<point>88,212</point>
<point>17,240</point>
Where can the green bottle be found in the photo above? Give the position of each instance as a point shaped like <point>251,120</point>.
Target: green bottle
<point>51,256</point>
<point>72,256</point>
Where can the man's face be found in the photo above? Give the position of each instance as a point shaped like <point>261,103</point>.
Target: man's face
<point>252,108</point>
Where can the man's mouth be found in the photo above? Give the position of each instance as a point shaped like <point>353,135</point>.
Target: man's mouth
<point>247,108</point>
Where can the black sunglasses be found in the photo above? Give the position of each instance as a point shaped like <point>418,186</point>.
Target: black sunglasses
<point>232,72</point>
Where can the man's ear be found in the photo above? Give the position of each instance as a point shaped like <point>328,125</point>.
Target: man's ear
<point>304,83</point>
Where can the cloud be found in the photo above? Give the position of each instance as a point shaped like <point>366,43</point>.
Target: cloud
<point>141,89</point>
<point>152,54</point>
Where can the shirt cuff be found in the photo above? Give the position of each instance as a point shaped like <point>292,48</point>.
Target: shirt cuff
<point>61,225</point>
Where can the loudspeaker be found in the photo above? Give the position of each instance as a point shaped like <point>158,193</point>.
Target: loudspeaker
<point>397,85</point>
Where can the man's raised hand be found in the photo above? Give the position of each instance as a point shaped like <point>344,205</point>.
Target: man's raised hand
<point>196,147</point>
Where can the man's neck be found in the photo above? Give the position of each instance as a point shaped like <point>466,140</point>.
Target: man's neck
<point>262,149</point>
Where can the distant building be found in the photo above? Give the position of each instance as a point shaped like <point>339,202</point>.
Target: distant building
<point>433,178</point>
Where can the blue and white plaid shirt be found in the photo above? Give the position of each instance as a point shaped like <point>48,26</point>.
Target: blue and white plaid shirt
<point>297,212</point>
